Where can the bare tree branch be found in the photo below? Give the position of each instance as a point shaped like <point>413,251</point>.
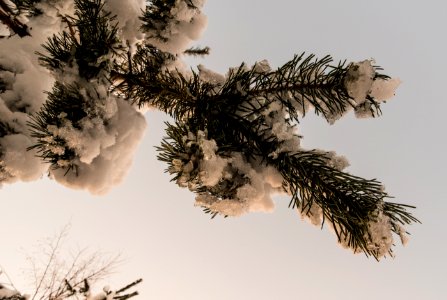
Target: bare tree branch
<point>58,275</point>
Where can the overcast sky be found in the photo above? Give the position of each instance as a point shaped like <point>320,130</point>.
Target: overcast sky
<point>182,254</point>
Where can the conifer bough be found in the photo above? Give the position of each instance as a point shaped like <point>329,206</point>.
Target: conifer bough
<point>233,139</point>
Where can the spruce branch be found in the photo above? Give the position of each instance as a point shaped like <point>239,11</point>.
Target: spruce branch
<point>64,104</point>
<point>84,54</point>
<point>197,51</point>
<point>242,125</point>
<point>137,77</point>
<point>239,116</point>
<point>92,37</point>
<point>301,84</point>
<point>348,202</point>
<point>158,15</point>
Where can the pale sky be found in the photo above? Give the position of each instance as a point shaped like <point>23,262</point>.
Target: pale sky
<point>182,254</point>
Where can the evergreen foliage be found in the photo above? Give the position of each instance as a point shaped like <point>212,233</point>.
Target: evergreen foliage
<point>64,103</point>
<point>88,48</point>
<point>91,39</point>
<point>244,122</point>
<point>158,16</point>
<point>234,114</point>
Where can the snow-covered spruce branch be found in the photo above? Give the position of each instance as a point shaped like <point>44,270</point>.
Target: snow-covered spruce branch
<point>234,141</point>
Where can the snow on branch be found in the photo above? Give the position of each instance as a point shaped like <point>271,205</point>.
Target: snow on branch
<point>235,143</point>
<point>86,133</point>
<point>172,25</point>
<point>72,96</point>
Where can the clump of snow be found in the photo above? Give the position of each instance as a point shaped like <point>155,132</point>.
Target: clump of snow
<point>254,182</point>
<point>253,196</point>
<point>103,295</point>
<point>361,83</point>
<point>18,58</point>
<point>103,142</point>
<point>210,76</point>
<point>212,165</point>
<point>364,110</point>
<point>186,25</point>
<point>402,234</point>
<point>359,79</point>
<point>129,23</point>
<point>338,162</point>
<point>311,212</point>
<point>382,89</point>
<point>262,66</point>
<point>226,207</point>
<point>277,125</point>
<point>104,147</point>
<point>379,235</point>
<point>18,163</point>
<point>380,238</point>
<point>264,180</point>
<point>25,82</point>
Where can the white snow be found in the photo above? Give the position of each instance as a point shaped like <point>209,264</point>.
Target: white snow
<point>254,196</point>
<point>210,76</point>
<point>25,81</point>
<point>264,181</point>
<point>312,213</point>
<point>227,207</point>
<point>262,66</point>
<point>212,166</point>
<point>108,136</point>
<point>360,82</point>
<point>382,90</point>
<point>18,163</point>
<point>403,235</point>
<point>338,162</point>
<point>381,238</point>
<point>128,13</point>
<point>284,133</point>
<point>100,296</point>
<point>105,152</point>
<point>359,79</point>
<point>185,26</point>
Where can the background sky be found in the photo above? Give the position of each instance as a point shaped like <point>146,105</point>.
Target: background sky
<point>182,254</point>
